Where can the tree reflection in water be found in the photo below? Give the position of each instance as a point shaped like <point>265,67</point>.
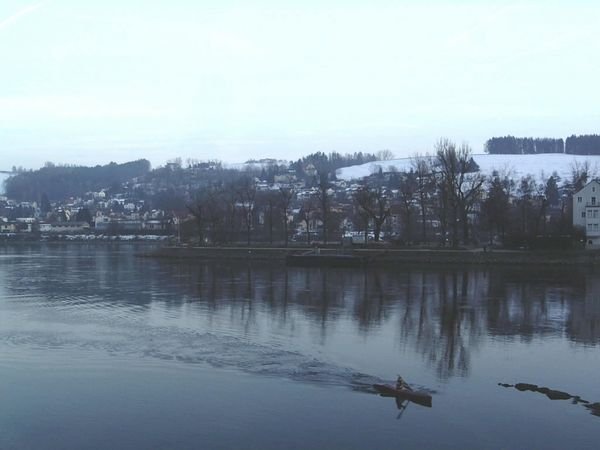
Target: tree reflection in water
<point>443,314</point>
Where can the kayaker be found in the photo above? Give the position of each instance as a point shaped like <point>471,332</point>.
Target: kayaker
<point>402,385</point>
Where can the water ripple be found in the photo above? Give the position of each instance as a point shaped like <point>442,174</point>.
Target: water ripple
<point>202,348</point>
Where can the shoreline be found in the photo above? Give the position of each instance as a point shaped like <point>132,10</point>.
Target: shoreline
<point>378,257</point>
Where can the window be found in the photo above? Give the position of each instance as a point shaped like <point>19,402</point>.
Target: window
<point>593,200</point>
<point>589,227</point>
<point>593,188</point>
<point>595,227</point>
<point>579,199</point>
<point>583,214</point>
<point>589,213</point>
<point>595,214</point>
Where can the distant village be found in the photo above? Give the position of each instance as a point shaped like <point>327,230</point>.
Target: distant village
<point>94,216</point>
<point>443,200</point>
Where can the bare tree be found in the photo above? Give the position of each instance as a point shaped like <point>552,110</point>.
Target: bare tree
<point>384,155</point>
<point>541,205</point>
<point>246,192</point>
<point>198,211</point>
<point>286,195</point>
<point>526,192</point>
<point>229,198</point>
<point>307,211</point>
<point>496,206</point>
<point>425,185</point>
<point>406,193</point>
<point>580,173</point>
<point>462,183</point>
<point>374,203</point>
<point>208,210</point>
<point>268,202</point>
<point>324,201</point>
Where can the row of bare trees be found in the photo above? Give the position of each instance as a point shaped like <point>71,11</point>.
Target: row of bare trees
<point>532,206</point>
<point>447,185</point>
<point>443,198</point>
<point>451,190</point>
<point>225,212</point>
<point>452,202</point>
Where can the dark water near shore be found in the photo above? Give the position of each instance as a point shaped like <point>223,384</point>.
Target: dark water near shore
<point>100,349</point>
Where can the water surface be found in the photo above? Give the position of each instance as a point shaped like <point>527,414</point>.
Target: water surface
<point>101,349</point>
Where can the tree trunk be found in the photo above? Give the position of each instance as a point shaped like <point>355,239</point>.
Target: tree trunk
<point>465,223</point>
<point>454,227</point>
<point>423,224</point>
<point>377,230</point>
<point>307,233</point>
<point>285,227</point>
<point>408,225</point>
<point>271,224</point>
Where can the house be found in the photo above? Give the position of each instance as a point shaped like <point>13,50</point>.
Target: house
<point>69,227</point>
<point>285,179</point>
<point>310,170</point>
<point>586,213</point>
<point>101,222</point>
<point>129,225</point>
<point>157,226</point>
<point>25,224</point>
<point>8,227</point>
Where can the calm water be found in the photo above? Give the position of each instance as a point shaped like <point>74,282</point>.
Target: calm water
<point>100,349</point>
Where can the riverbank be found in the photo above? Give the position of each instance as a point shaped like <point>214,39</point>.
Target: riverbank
<point>378,257</point>
<point>12,238</point>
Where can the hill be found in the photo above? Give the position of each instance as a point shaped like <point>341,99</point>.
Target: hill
<point>60,182</point>
<point>516,165</point>
<point>3,177</point>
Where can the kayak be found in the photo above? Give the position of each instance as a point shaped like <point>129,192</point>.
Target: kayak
<point>420,397</point>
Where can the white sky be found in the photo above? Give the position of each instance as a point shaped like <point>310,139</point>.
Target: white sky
<point>88,82</point>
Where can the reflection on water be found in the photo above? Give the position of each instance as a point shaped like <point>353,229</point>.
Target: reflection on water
<point>554,394</point>
<point>442,315</point>
<point>454,333</point>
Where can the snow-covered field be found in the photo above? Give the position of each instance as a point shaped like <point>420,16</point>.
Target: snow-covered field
<point>516,166</point>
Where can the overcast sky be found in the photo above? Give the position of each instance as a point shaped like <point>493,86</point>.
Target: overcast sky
<point>87,82</point>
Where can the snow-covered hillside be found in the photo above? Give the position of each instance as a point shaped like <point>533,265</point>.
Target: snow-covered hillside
<point>516,166</point>
<point>3,176</point>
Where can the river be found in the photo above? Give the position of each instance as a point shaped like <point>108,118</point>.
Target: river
<point>103,349</point>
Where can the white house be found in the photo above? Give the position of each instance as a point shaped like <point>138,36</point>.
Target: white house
<point>586,212</point>
<point>8,227</point>
<point>45,227</point>
<point>69,227</point>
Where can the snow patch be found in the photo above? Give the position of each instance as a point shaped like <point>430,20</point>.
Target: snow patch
<point>517,166</point>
